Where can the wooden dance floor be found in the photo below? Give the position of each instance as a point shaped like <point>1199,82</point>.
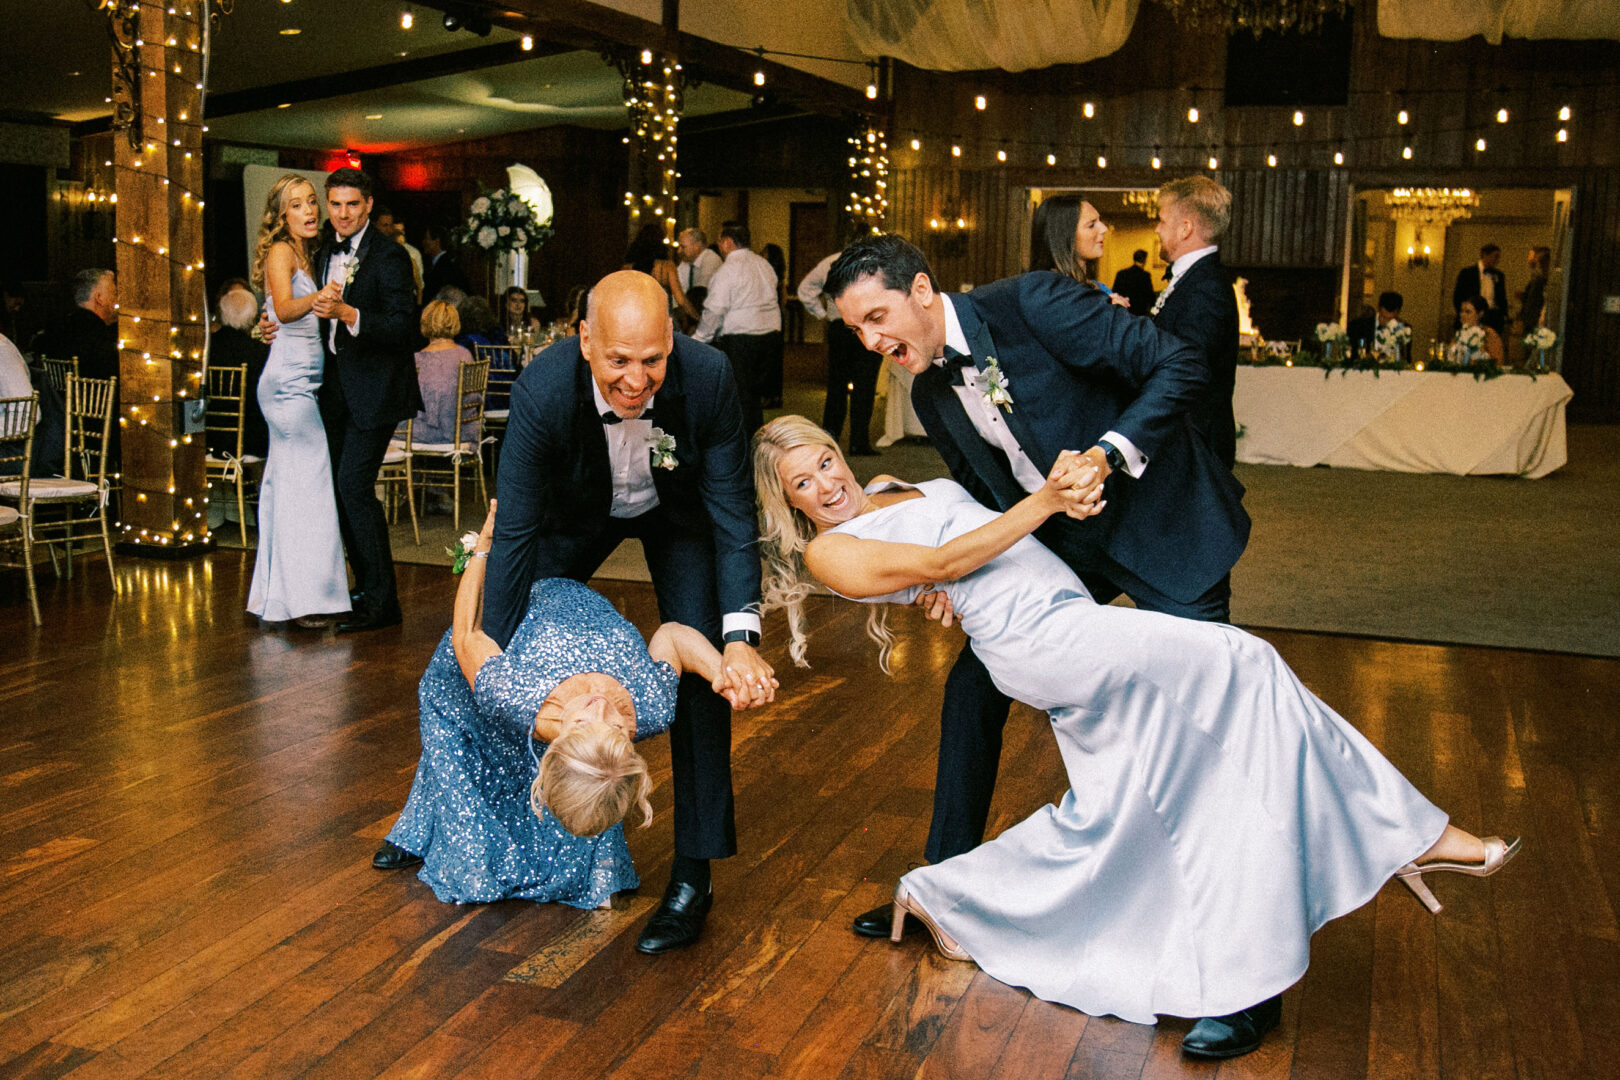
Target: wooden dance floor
<point>188,807</point>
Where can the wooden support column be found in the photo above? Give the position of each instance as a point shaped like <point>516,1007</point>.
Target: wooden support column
<point>163,314</point>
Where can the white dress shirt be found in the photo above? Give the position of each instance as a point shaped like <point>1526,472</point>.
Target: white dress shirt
<point>989,421</point>
<point>336,267</point>
<point>812,291</point>
<point>14,380</point>
<point>629,445</point>
<point>1487,286</point>
<point>742,298</point>
<point>698,273</point>
<point>1179,268</point>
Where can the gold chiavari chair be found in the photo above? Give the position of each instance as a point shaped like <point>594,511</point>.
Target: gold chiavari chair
<point>17,420</point>
<point>223,426</point>
<point>65,510</point>
<point>395,478</point>
<point>465,448</point>
<point>59,371</point>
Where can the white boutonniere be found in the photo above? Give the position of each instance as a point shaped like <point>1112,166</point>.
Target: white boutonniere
<point>662,446</point>
<point>349,272</point>
<point>462,552</point>
<point>996,383</point>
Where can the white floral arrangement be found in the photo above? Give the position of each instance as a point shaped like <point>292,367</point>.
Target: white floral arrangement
<point>1329,333</point>
<point>1391,338</point>
<point>1542,337</point>
<point>1469,345</point>
<point>662,446</point>
<point>502,221</point>
<point>1280,349</point>
<point>462,552</point>
<point>996,383</point>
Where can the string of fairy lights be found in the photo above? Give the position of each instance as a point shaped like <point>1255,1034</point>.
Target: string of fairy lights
<point>159,173</point>
<point>653,97</point>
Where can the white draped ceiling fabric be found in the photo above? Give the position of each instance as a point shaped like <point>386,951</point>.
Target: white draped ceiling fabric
<point>968,35</point>
<point>1454,20</point>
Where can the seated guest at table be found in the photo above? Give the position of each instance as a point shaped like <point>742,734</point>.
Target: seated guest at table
<point>438,367</point>
<point>89,333</point>
<point>219,294</point>
<point>233,346</point>
<point>515,308</point>
<point>527,769</point>
<point>478,325</point>
<point>1363,329</point>
<point>1472,313</point>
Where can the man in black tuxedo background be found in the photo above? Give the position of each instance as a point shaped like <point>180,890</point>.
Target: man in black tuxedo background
<point>1482,279</point>
<point>440,267</point>
<point>578,476</point>
<point>1198,304</point>
<point>1081,371</point>
<point>367,308</point>
<point>1135,284</point>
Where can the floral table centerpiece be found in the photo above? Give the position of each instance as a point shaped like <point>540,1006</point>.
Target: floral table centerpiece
<point>506,225</point>
<point>1331,336</point>
<point>1541,339</point>
<point>1391,340</point>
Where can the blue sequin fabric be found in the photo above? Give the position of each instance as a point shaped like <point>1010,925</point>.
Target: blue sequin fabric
<point>468,814</point>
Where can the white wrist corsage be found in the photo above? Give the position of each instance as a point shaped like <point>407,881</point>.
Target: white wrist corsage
<point>662,446</point>
<point>463,551</point>
<point>997,382</point>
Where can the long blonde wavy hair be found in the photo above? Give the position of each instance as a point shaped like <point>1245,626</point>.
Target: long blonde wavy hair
<point>784,533</point>
<point>590,777</point>
<point>273,226</point>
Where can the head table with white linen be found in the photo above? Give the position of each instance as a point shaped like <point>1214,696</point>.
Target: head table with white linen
<point>1401,420</point>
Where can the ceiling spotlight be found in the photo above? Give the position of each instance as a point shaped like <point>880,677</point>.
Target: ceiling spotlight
<point>452,21</point>
<point>374,116</point>
<point>406,19</point>
<point>291,31</point>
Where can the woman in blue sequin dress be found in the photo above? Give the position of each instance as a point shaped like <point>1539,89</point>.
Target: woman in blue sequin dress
<point>575,672</point>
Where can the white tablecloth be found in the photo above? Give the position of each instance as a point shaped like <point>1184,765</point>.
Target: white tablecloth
<point>899,418</point>
<point>1401,421</point>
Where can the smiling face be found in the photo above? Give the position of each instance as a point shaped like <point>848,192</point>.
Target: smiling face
<point>627,340</point>
<point>301,211</point>
<point>348,209</point>
<point>908,327</point>
<point>1089,233</point>
<point>818,483</point>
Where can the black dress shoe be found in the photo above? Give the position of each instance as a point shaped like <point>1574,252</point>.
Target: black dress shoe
<point>393,857</point>
<point>1235,1035</point>
<point>369,620</point>
<point>678,920</point>
<point>878,921</point>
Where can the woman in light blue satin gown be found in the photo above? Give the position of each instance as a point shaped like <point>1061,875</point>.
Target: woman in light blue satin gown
<point>299,572</point>
<point>1218,813</point>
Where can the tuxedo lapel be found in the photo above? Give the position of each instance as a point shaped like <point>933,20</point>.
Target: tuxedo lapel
<point>984,348</point>
<point>986,461</point>
<point>588,435</point>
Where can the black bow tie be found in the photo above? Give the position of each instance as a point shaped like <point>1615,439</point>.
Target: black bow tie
<point>1169,272</point>
<point>954,364</point>
<point>345,247</point>
<point>611,417</point>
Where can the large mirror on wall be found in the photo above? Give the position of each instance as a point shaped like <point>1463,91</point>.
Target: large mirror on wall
<point>1427,245</point>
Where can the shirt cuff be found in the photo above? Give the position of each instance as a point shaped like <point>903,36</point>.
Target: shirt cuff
<point>354,331</point>
<point>739,620</point>
<point>1135,461</point>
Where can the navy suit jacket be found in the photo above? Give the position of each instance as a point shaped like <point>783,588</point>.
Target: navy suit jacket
<point>1202,311</point>
<point>1468,287</point>
<point>556,488</point>
<point>1079,366</point>
<point>374,374</point>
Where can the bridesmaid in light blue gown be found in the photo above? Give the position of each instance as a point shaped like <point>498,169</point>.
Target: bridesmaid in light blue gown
<point>299,573</point>
<point>1218,813</point>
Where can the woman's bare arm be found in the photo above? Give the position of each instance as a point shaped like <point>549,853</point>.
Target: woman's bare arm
<point>472,646</point>
<point>860,568</point>
<point>684,649</point>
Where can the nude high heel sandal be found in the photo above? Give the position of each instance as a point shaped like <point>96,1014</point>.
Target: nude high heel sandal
<point>904,902</point>
<point>1497,854</point>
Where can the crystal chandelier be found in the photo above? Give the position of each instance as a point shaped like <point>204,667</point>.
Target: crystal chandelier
<point>1145,200</point>
<point>1256,16</point>
<point>1431,206</point>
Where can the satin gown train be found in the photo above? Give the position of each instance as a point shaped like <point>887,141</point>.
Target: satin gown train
<point>1218,812</point>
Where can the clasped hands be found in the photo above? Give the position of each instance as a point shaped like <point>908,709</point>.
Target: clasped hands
<point>745,680</point>
<point>328,303</point>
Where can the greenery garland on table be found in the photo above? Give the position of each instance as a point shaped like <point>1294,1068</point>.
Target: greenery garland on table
<point>1310,358</point>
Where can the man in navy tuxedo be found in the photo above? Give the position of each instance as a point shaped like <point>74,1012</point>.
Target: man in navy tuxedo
<point>1080,372</point>
<point>367,308</point>
<point>1198,305</point>
<point>578,475</point>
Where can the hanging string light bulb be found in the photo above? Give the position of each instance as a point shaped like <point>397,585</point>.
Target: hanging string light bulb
<point>653,98</point>
<point>869,177</point>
